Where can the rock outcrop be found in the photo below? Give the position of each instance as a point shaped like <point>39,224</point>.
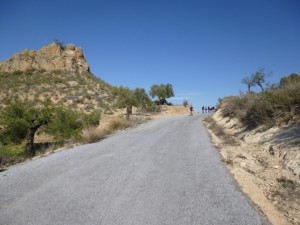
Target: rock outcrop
<point>51,57</point>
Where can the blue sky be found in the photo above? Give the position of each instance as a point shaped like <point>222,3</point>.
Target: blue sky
<point>203,48</point>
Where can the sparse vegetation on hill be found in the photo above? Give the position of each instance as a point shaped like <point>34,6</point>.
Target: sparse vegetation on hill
<point>50,93</point>
<point>276,104</point>
<point>84,93</point>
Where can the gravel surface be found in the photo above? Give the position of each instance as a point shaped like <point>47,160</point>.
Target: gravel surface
<point>163,172</point>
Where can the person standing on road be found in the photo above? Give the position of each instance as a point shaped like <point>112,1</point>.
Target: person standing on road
<point>191,110</point>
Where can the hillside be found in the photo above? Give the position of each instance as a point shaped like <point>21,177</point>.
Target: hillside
<point>33,86</point>
<point>56,73</point>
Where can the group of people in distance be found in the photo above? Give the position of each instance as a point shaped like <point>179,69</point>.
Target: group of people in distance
<point>208,109</point>
<point>205,109</point>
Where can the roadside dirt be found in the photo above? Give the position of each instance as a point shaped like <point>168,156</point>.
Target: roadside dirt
<point>265,164</point>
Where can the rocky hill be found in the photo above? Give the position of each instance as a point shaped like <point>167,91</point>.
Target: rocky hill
<point>57,73</point>
<point>51,57</point>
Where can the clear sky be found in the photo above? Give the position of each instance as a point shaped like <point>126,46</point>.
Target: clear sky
<point>203,48</point>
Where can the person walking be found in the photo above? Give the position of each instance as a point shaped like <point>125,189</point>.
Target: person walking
<point>191,110</point>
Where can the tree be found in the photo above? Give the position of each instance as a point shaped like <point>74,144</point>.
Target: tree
<point>142,98</point>
<point>14,123</point>
<point>59,43</point>
<point>37,119</point>
<point>126,99</point>
<point>249,82</point>
<point>259,77</point>
<point>185,103</point>
<point>162,92</point>
<point>20,121</point>
<point>64,124</point>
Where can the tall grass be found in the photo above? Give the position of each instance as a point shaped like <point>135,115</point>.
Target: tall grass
<point>118,124</point>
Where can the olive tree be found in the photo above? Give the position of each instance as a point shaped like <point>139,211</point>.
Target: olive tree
<point>162,92</point>
<point>20,121</point>
<point>142,98</point>
<point>257,78</point>
<point>125,99</point>
<point>249,82</point>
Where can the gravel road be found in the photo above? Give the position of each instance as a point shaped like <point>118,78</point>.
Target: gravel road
<point>163,172</point>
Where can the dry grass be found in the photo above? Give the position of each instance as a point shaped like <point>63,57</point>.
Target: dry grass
<point>211,124</point>
<point>117,123</point>
<point>92,135</point>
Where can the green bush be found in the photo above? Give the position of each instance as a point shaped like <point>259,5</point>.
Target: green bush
<point>91,119</point>
<point>14,123</point>
<point>11,154</point>
<point>65,123</point>
<point>152,107</point>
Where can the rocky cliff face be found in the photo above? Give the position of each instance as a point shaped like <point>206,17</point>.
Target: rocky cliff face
<point>49,58</point>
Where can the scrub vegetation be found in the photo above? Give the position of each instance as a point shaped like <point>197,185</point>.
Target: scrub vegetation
<point>65,108</point>
<point>274,104</point>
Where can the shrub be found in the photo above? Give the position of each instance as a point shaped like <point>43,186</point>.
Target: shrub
<point>151,107</point>
<point>118,124</point>
<point>255,109</point>
<point>65,124</point>
<point>258,111</point>
<point>11,154</point>
<point>232,106</point>
<point>92,134</point>
<point>15,123</point>
<point>293,91</point>
<point>91,119</point>
<point>185,103</point>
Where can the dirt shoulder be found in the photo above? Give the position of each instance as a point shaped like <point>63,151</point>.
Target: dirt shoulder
<point>265,164</point>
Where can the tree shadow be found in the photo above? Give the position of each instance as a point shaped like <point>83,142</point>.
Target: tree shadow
<point>45,146</point>
<point>291,136</point>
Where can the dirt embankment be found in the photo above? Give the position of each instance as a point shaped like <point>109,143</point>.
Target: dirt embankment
<point>266,164</point>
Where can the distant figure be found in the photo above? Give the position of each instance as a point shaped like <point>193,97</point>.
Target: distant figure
<point>203,109</point>
<point>128,112</point>
<point>191,110</point>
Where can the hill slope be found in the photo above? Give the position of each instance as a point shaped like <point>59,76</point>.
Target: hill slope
<point>56,73</point>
